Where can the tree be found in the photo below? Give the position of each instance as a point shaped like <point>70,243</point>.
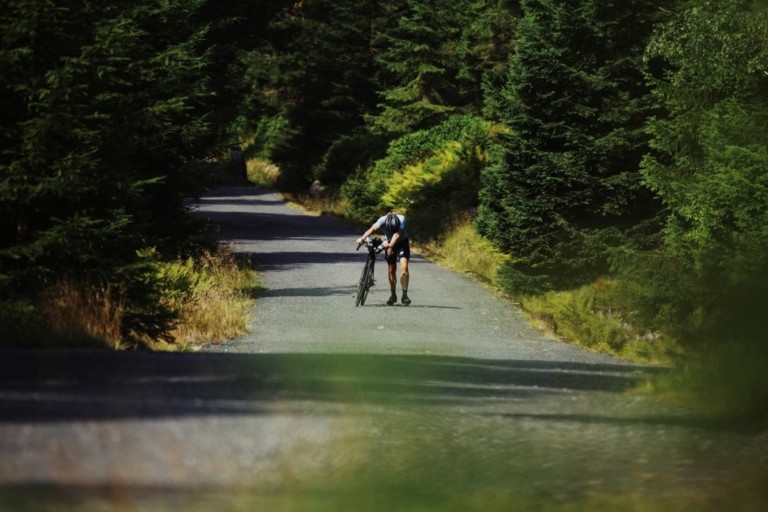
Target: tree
<point>709,70</point>
<point>566,181</point>
<point>421,59</point>
<point>313,82</point>
<point>103,130</point>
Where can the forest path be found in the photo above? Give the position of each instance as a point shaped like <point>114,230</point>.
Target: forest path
<point>451,404</point>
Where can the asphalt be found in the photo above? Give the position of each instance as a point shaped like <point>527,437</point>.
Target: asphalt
<point>452,403</point>
<point>311,268</point>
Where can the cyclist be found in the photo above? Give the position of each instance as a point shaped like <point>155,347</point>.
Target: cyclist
<point>398,249</point>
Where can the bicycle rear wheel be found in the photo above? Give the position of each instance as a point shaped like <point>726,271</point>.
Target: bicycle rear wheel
<point>366,280</point>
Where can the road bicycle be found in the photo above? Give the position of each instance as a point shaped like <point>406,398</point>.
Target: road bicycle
<point>374,246</point>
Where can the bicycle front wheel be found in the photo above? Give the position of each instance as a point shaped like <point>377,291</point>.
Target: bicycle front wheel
<point>366,280</point>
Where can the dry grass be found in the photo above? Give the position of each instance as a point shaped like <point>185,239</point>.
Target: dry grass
<point>212,297</point>
<point>220,301</point>
<point>83,315</point>
<point>463,250</point>
<point>317,205</point>
<point>262,172</point>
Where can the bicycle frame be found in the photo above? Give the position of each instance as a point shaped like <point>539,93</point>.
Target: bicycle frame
<point>374,246</point>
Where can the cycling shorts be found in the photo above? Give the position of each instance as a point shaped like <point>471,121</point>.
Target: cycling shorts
<point>402,250</point>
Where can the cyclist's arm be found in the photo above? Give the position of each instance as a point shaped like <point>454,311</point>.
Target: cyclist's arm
<point>392,242</point>
<point>368,233</point>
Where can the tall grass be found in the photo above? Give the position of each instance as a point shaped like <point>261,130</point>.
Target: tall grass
<point>217,299</point>
<point>463,250</point>
<point>594,317</point>
<point>209,296</point>
<point>78,315</point>
<point>262,172</point>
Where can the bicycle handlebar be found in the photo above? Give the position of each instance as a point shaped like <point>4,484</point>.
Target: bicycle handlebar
<point>373,244</point>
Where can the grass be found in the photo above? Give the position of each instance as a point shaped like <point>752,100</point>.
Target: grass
<point>593,317</point>
<point>219,300</point>
<point>316,205</point>
<point>262,172</point>
<point>82,316</point>
<point>463,250</point>
<point>210,296</point>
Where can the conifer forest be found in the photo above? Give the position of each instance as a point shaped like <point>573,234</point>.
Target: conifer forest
<point>590,141</point>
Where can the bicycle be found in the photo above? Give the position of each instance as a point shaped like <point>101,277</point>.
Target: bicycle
<point>375,246</point>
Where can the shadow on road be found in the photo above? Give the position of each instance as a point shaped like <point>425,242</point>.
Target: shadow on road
<point>51,385</point>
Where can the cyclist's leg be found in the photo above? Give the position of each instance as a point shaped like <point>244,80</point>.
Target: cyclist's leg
<point>392,277</point>
<point>404,254</point>
<point>404,279</point>
<point>405,276</point>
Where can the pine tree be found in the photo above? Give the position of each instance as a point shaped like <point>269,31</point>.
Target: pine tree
<point>315,82</point>
<point>420,58</point>
<point>103,130</point>
<point>709,70</point>
<point>567,176</point>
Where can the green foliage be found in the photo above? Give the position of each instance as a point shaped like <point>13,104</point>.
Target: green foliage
<point>104,125</point>
<point>560,189</point>
<point>710,154</point>
<point>424,83</point>
<point>707,278</point>
<point>331,71</point>
<point>430,175</point>
<point>597,316</point>
<point>346,155</point>
<point>313,75</point>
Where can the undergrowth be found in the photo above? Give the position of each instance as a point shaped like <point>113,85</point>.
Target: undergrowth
<point>208,299</point>
<point>594,317</point>
<point>212,295</point>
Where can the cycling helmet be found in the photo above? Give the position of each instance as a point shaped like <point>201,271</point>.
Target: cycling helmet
<point>393,223</point>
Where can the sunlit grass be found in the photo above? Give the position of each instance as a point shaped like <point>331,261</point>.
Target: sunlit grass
<point>82,315</point>
<point>463,250</point>
<point>262,172</point>
<point>316,205</point>
<point>210,297</point>
<point>218,304</point>
<point>592,317</point>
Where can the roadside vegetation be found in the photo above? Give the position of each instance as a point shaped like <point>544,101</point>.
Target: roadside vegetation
<point>604,164</point>
<point>203,299</point>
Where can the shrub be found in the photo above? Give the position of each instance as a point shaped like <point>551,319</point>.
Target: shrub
<point>431,175</point>
<point>596,317</point>
<point>211,295</point>
<point>346,155</point>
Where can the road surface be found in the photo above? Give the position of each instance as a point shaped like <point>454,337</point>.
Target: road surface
<point>453,403</point>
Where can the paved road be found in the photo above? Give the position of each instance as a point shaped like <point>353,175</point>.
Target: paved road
<point>453,403</point>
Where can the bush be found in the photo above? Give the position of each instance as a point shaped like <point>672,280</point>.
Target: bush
<point>201,299</point>
<point>595,316</point>
<point>346,155</point>
<point>430,175</point>
<point>212,296</point>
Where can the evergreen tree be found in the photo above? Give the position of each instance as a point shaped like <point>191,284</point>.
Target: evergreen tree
<point>103,123</point>
<point>567,178</point>
<point>315,82</point>
<point>709,70</point>
<point>420,57</point>
<point>490,40</point>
